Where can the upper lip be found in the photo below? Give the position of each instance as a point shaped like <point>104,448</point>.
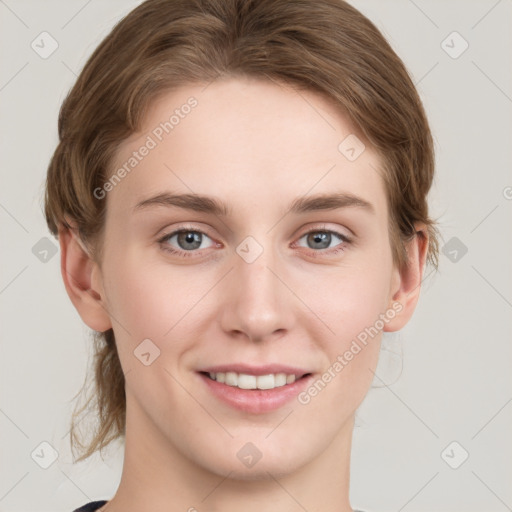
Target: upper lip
<point>256,370</point>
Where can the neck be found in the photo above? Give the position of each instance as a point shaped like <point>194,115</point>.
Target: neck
<point>157,476</point>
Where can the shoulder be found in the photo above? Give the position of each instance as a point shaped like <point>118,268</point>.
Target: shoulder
<point>91,506</point>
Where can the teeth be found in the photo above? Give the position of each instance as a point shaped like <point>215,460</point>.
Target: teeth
<point>281,379</point>
<point>246,381</point>
<point>266,382</point>
<point>231,379</point>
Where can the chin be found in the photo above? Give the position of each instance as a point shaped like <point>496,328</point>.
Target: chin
<point>255,460</point>
<point>260,471</point>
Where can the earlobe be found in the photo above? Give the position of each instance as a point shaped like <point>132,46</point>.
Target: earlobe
<point>77,269</point>
<point>407,281</point>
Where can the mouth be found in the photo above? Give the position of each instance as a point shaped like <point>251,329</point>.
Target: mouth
<point>255,390</point>
<point>248,381</point>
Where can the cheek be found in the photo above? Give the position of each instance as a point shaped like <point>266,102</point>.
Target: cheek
<point>351,308</point>
<point>351,305</point>
<point>149,298</point>
<point>350,302</point>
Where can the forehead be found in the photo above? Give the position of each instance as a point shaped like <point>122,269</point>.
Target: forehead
<point>247,142</point>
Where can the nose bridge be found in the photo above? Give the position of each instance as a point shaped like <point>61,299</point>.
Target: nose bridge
<point>259,306</point>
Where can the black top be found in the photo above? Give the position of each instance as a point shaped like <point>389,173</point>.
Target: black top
<point>95,505</point>
<point>91,506</point>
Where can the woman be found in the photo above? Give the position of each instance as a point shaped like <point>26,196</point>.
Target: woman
<point>240,196</point>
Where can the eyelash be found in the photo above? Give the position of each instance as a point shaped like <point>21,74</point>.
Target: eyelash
<point>191,254</point>
<point>180,253</point>
<point>345,240</point>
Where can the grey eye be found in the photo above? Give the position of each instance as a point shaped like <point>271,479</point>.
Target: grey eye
<point>322,239</point>
<point>319,240</point>
<point>189,240</point>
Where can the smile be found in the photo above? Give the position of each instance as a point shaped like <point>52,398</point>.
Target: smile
<point>255,390</point>
<point>247,381</point>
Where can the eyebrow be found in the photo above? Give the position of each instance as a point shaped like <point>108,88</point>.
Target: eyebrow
<point>329,202</point>
<point>207,204</point>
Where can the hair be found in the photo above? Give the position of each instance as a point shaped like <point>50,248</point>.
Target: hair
<point>324,46</point>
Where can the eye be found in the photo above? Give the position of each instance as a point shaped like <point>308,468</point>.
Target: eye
<point>323,240</point>
<point>184,242</point>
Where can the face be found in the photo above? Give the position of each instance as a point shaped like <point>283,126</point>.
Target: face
<point>223,255</point>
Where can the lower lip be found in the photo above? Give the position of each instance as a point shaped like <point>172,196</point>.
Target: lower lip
<point>256,401</point>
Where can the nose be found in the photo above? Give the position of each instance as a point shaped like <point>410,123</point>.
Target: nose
<point>256,303</point>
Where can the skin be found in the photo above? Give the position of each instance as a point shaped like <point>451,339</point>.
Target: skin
<point>256,146</point>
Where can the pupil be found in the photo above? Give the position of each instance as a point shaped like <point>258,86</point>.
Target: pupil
<point>187,238</point>
<point>324,239</point>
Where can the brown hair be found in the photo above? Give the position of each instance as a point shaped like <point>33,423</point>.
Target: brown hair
<point>325,46</point>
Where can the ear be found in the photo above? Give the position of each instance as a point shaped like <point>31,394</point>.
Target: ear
<point>406,283</point>
<point>82,279</point>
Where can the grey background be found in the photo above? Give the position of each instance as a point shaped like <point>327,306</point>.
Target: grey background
<point>455,382</point>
